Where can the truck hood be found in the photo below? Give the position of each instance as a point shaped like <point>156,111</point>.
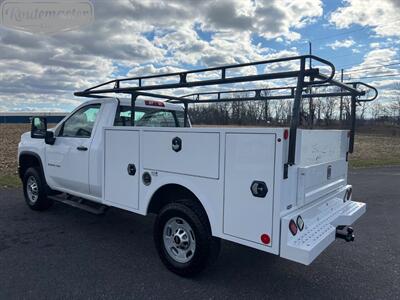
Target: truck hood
<point>25,136</point>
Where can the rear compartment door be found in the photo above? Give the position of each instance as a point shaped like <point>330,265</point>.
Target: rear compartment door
<point>249,158</point>
<point>321,161</point>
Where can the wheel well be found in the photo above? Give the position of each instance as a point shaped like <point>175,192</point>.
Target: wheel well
<point>26,161</point>
<point>170,193</point>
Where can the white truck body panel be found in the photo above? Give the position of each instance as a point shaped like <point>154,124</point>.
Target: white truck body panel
<point>219,173</point>
<point>317,146</point>
<point>218,165</point>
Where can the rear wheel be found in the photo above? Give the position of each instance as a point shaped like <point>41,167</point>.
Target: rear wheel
<point>35,190</point>
<point>183,238</point>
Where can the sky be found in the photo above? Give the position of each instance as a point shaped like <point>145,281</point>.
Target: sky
<point>40,72</point>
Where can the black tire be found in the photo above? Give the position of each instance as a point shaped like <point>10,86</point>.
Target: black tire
<point>33,175</point>
<point>207,247</point>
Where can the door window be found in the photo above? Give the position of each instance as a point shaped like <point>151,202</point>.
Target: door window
<point>81,123</point>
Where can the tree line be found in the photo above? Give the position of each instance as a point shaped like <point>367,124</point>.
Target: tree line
<point>317,112</point>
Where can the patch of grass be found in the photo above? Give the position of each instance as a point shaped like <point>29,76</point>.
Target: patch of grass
<point>10,181</point>
<point>374,163</point>
<point>375,150</point>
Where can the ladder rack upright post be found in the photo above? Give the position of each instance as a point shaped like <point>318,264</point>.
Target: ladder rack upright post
<point>296,113</point>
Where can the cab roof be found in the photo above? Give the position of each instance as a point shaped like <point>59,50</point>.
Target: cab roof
<point>145,103</point>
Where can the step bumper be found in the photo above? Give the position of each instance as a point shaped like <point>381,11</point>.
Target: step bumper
<point>320,222</point>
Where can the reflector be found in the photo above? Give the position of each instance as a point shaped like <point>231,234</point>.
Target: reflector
<point>300,223</point>
<point>286,134</point>
<point>265,238</point>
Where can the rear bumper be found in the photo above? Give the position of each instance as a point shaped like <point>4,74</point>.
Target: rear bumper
<point>320,222</point>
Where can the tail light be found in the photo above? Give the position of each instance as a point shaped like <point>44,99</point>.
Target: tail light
<point>293,227</point>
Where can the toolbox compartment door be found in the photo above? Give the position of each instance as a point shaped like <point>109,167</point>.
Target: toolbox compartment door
<point>121,183</point>
<point>249,158</point>
<point>197,153</point>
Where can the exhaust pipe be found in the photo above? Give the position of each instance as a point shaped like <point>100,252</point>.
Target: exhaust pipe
<point>346,233</point>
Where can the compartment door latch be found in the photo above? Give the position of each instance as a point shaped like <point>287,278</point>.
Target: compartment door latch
<point>176,144</point>
<point>259,189</point>
<point>131,169</point>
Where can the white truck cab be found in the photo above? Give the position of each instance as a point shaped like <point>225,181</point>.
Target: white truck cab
<point>280,190</point>
<point>73,164</point>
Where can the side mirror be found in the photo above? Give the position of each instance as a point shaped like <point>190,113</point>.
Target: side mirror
<point>38,127</point>
<point>49,138</point>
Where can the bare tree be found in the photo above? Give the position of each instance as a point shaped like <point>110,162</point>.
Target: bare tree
<point>317,103</point>
<point>362,109</point>
<point>377,110</point>
<point>395,109</point>
<point>347,109</point>
<point>327,109</point>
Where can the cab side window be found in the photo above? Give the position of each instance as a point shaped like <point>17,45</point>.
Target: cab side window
<point>150,117</point>
<point>81,123</point>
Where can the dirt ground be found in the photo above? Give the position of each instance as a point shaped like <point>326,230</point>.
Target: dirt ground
<point>371,148</point>
<point>10,135</point>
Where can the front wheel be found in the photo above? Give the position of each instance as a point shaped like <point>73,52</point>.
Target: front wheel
<point>35,190</point>
<point>183,238</point>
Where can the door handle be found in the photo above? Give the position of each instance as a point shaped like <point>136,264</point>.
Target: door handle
<point>81,148</point>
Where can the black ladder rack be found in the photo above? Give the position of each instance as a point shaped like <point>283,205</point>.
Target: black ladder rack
<point>141,85</point>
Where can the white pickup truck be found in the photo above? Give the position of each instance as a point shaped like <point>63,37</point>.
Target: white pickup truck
<point>204,184</point>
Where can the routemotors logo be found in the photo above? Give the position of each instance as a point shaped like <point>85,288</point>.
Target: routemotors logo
<point>46,17</point>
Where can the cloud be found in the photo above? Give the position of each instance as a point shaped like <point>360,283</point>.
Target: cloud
<point>226,15</point>
<point>141,37</point>
<point>376,62</point>
<point>386,83</point>
<point>374,45</point>
<point>347,43</point>
<point>380,56</point>
<point>145,37</point>
<point>276,18</point>
<point>382,16</point>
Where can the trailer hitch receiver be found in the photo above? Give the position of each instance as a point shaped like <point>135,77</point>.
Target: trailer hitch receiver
<point>345,232</point>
